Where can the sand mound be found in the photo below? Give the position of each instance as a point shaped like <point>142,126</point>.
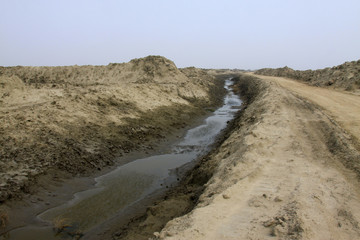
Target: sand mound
<point>152,69</point>
<point>155,69</point>
<point>345,76</point>
<point>11,83</point>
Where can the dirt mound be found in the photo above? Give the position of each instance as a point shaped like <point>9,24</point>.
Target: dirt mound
<point>11,83</point>
<point>143,70</point>
<point>156,69</point>
<point>79,118</point>
<point>345,76</point>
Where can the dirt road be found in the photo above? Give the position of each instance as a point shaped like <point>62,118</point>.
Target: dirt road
<point>344,107</point>
<point>281,174</point>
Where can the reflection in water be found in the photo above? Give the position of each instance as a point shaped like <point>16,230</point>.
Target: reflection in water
<point>90,208</point>
<point>131,182</point>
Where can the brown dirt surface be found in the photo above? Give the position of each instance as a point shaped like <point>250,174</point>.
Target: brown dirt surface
<point>345,76</point>
<point>286,170</point>
<point>341,106</point>
<point>78,119</point>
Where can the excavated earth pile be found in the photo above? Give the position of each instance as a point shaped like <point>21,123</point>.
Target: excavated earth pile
<point>77,119</point>
<point>345,76</point>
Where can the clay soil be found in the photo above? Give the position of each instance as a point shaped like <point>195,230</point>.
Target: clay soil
<point>288,168</point>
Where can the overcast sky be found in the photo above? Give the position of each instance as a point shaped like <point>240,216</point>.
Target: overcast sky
<point>246,34</point>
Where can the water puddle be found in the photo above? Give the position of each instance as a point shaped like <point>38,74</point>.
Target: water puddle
<point>129,183</point>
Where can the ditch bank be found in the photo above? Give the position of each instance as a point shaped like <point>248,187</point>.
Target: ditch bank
<point>118,191</point>
<point>77,120</point>
<point>184,197</point>
<point>279,172</point>
<point>61,123</point>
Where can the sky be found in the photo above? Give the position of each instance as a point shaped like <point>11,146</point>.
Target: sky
<point>243,34</point>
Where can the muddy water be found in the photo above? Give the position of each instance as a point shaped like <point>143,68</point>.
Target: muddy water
<point>129,183</point>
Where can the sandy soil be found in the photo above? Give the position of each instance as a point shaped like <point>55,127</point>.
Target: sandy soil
<point>286,171</point>
<point>78,119</point>
<point>341,106</point>
<point>286,168</point>
<point>345,76</point>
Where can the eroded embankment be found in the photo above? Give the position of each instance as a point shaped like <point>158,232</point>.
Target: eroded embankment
<point>283,171</point>
<point>78,119</point>
<point>183,198</point>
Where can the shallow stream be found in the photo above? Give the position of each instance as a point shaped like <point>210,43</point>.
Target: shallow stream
<point>129,183</point>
